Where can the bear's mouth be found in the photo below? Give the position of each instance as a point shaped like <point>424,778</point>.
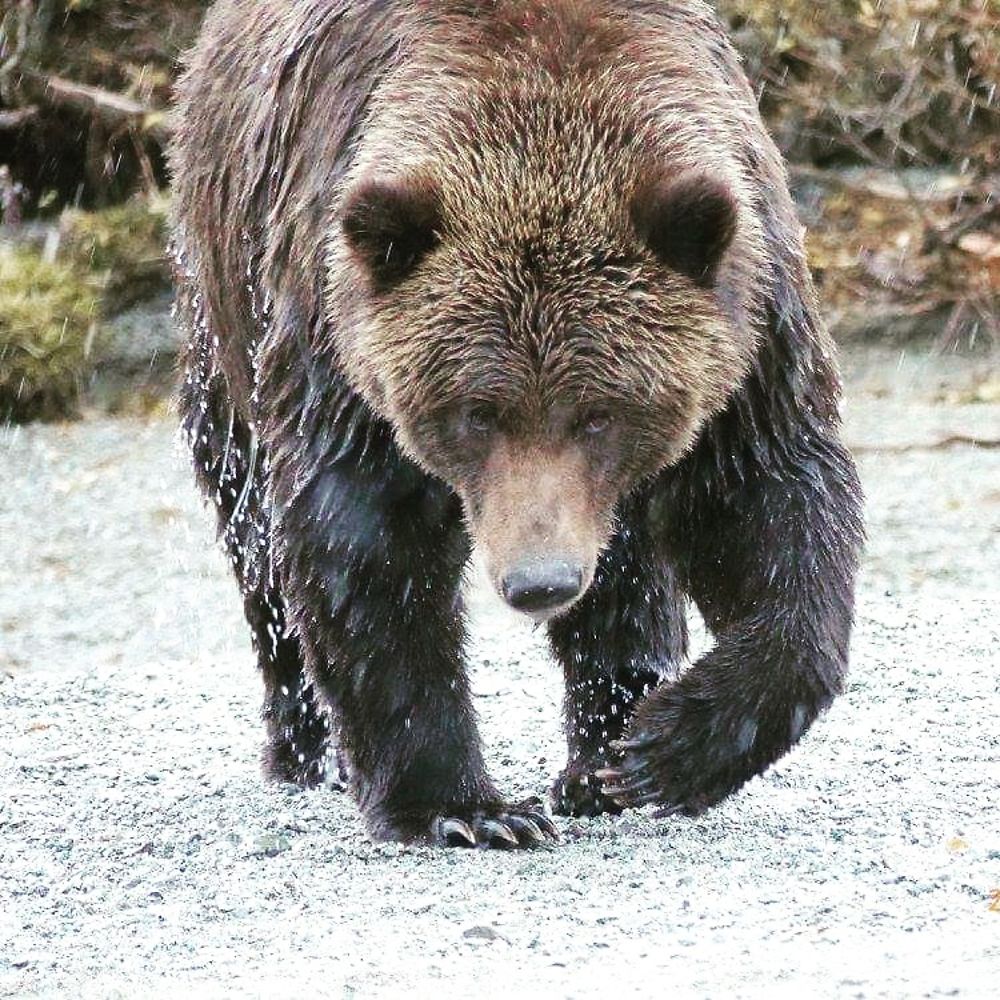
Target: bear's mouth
<point>543,617</point>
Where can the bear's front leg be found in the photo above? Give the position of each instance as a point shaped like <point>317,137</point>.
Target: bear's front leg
<point>769,555</point>
<point>372,555</point>
<point>622,638</point>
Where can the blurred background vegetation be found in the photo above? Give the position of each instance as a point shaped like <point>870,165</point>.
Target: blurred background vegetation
<point>888,114</point>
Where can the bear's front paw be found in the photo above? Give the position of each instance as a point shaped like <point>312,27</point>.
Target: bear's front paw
<point>483,824</point>
<point>686,752</point>
<point>577,791</point>
<point>524,824</point>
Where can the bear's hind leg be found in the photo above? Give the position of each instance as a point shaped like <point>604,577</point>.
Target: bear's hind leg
<point>297,729</point>
<point>624,636</point>
<point>228,465</point>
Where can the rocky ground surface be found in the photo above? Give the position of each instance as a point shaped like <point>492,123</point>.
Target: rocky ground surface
<point>141,854</point>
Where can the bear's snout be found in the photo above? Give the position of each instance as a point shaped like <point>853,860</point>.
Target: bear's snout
<point>539,524</point>
<point>540,588</point>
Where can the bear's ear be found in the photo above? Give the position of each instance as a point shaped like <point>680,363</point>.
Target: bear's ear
<point>688,221</point>
<point>391,225</point>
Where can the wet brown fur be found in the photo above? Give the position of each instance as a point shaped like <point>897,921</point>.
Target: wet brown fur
<point>552,170</point>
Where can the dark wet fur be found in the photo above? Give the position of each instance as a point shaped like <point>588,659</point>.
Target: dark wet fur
<point>350,556</point>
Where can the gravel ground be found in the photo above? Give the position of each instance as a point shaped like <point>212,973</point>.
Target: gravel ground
<point>141,854</point>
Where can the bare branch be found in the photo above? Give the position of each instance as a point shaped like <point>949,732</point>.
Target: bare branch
<point>113,108</point>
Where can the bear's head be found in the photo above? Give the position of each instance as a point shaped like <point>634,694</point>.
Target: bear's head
<point>545,318</point>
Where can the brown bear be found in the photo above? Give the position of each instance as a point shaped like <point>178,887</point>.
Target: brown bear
<point>527,276</point>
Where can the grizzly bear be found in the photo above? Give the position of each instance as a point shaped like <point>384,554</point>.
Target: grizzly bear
<point>524,276</point>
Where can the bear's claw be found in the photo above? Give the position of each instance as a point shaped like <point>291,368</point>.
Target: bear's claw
<point>454,829</point>
<point>627,788</point>
<point>680,774</point>
<point>627,793</point>
<point>527,830</point>
<point>524,825</point>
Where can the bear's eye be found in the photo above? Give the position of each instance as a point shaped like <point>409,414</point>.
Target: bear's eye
<point>482,419</point>
<point>595,422</point>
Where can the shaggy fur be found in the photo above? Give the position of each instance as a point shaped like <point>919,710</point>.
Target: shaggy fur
<point>525,274</point>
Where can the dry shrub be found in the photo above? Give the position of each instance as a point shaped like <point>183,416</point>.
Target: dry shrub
<point>911,90</point>
<point>88,83</point>
<point>892,83</point>
<point>894,257</point>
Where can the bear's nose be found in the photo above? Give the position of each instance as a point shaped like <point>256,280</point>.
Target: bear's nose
<point>540,586</point>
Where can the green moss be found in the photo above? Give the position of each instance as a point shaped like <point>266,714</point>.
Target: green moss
<point>48,329</point>
<point>50,312</point>
<point>124,245</point>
